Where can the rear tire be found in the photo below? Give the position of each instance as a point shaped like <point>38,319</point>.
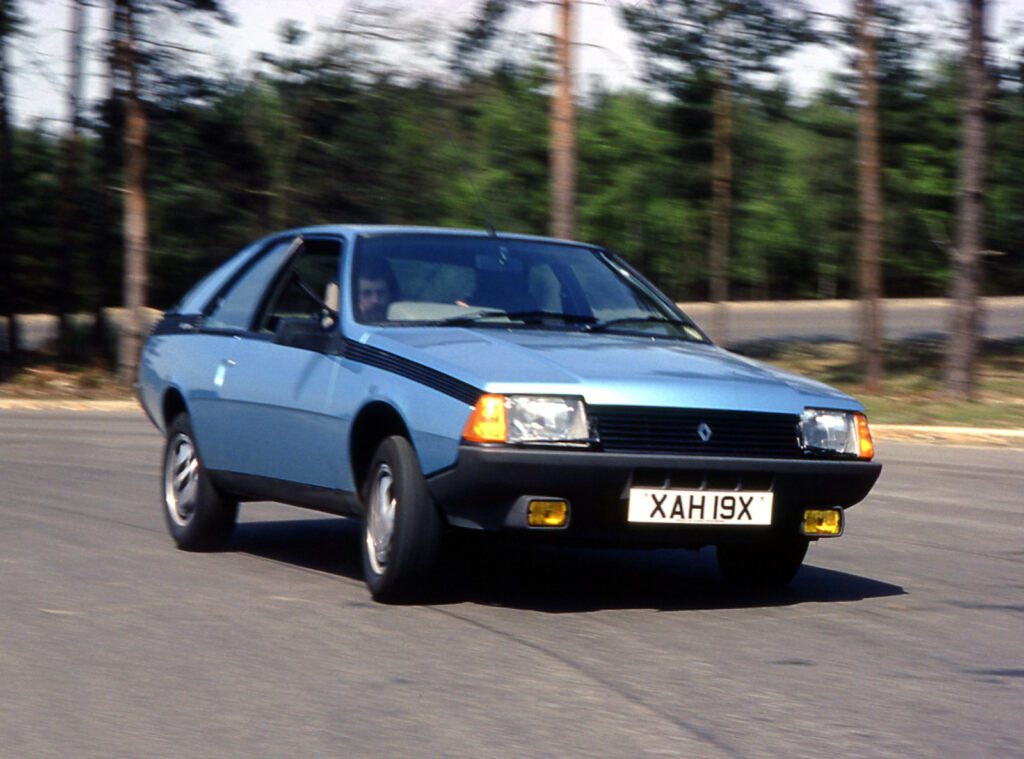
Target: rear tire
<point>198,516</point>
<point>402,529</point>
<point>761,566</point>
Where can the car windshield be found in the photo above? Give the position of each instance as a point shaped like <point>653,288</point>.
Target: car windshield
<point>450,280</point>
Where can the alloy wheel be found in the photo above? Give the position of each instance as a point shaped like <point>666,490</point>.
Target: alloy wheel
<point>380,524</point>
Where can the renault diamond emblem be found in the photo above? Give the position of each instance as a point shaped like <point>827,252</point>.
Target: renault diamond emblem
<point>703,432</point>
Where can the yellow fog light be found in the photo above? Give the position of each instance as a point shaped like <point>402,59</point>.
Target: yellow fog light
<point>825,523</point>
<point>547,514</point>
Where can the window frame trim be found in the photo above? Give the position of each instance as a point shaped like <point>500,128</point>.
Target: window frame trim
<point>298,240</point>
<point>276,288</point>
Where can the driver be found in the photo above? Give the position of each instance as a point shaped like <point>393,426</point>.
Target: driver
<point>373,295</point>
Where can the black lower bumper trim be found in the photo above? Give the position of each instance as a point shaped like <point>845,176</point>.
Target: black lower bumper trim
<point>481,491</point>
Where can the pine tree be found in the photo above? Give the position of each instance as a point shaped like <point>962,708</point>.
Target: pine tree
<point>563,131</point>
<point>9,24</point>
<point>961,358</point>
<point>721,41</point>
<point>127,61</point>
<point>870,192</point>
<point>71,183</point>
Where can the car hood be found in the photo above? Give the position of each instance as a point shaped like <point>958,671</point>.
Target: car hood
<point>607,369</point>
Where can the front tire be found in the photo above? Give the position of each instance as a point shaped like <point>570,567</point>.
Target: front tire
<point>402,529</point>
<point>765,566</point>
<point>198,516</point>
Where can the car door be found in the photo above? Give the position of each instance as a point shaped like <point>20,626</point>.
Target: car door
<point>226,320</point>
<point>275,394</point>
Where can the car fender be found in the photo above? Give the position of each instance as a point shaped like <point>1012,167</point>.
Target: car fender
<point>433,420</point>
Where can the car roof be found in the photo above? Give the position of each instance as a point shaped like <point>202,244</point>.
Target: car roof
<point>397,229</point>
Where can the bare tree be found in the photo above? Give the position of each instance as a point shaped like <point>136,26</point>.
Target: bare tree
<point>869,177</point>
<point>961,357</point>
<point>563,137</point>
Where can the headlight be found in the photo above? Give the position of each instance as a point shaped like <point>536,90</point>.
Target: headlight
<point>823,431</point>
<point>528,419</point>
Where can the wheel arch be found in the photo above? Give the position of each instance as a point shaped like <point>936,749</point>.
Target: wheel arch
<point>374,422</point>
<point>173,403</point>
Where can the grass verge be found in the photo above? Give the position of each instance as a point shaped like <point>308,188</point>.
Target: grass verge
<point>41,377</point>
<point>912,390</point>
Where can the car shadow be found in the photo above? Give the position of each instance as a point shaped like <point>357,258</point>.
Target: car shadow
<point>557,580</point>
<point>327,544</point>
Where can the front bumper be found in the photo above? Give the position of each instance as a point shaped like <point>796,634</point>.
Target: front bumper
<point>488,487</point>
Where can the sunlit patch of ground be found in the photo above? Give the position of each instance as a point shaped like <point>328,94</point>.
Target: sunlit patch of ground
<point>40,377</point>
<point>912,391</point>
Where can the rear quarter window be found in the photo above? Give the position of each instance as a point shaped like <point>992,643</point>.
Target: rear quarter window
<point>236,307</point>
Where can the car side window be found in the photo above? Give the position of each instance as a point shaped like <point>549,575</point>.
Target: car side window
<point>236,308</point>
<point>310,284</point>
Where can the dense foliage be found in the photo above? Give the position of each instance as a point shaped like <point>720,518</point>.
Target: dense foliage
<point>343,138</point>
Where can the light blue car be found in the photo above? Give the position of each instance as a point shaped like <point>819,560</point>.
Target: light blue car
<point>431,380</point>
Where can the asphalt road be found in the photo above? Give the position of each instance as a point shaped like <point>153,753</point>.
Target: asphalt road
<point>903,638</point>
<point>748,322</point>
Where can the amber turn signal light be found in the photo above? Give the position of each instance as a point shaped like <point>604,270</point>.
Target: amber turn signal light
<point>487,423</point>
<point>865,445</point>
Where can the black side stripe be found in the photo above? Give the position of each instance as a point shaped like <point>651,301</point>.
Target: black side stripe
<point>190,324</point>
<point>389,362</point>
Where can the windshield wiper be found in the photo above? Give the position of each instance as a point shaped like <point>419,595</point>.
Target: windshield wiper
<point>519,315</point>
<point>567,318</point>
<point>599,326</point>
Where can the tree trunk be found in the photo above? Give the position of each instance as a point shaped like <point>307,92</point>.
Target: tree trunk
<point>136,232</point>
<point>961,357</point>
<point>8,267</point>
<point>70,203</point>
<point>870,195</point>
<point>563,138</point>
<point>721,204</point>
<point>108,171</point>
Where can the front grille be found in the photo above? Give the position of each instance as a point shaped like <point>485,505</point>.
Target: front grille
<point>628,429</point>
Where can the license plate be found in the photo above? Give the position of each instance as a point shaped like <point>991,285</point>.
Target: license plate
<point>661,505</point>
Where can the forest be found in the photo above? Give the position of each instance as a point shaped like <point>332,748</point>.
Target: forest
<point>346,133</point>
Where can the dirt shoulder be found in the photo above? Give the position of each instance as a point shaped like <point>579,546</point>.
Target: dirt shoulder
<point>972,436</point>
